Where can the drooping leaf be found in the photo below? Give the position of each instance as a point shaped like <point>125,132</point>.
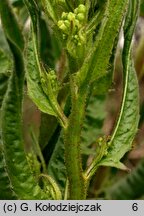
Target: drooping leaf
<point>5,185</point>
<point>21,179</point>
<point>127,123</point>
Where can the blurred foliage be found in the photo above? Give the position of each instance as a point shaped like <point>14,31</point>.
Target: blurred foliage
<point>142,8</point>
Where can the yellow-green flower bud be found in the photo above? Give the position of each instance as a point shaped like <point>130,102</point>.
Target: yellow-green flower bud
<point>80,17</point>
<point>76,10</point>
<point>62,26</point>
<point>52,73</point>
<point>64,15</point>
<point>81,9</point>
<point>60,22</point>
<point>67,23</point>
<point>71,16</point>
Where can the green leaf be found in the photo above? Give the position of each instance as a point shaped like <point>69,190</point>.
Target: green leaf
<point>97,60</point>
<point>33,64</point>
<point>127,123</point>
<point>5,67</point>
<point>91,130</point>
<point>3,43</point>
<point>50,48</point>
<point>44,97</point>
<point>49,10</point>
<point>10,25</point>
<point>112,27</point>
<point>93,123</point>
<point>129,187</point>
<point>35,90</point>
<point>5,63</point>
<point>19,172</point>
<point>22,181</point>
<point>6,191</point>
<point>56,166</point>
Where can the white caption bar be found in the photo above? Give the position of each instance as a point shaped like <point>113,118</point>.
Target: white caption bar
<point>75,207</point>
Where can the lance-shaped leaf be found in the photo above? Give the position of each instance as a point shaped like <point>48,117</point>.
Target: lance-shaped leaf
<point>5,66</point>
<point>35,90</point>
<point>112,28</point>
<point>39,81</point>
<point>127,123</point>
<point>21,178</point>
<point>5,185</point>
<point>6,191</point>
<point>97,60</point>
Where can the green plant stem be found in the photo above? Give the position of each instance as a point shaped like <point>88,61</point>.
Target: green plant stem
<point>77,189</point>
<point>72,153</point>
<point>66,190</point>
<point>91,170</point>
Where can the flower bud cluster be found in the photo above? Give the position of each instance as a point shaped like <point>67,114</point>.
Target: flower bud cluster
<point>33,163</point>
<point>72,23</point>
<point>53,79</point>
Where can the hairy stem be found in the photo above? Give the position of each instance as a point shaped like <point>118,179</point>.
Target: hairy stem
<point>77,189</point>
<point>72,153</point>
